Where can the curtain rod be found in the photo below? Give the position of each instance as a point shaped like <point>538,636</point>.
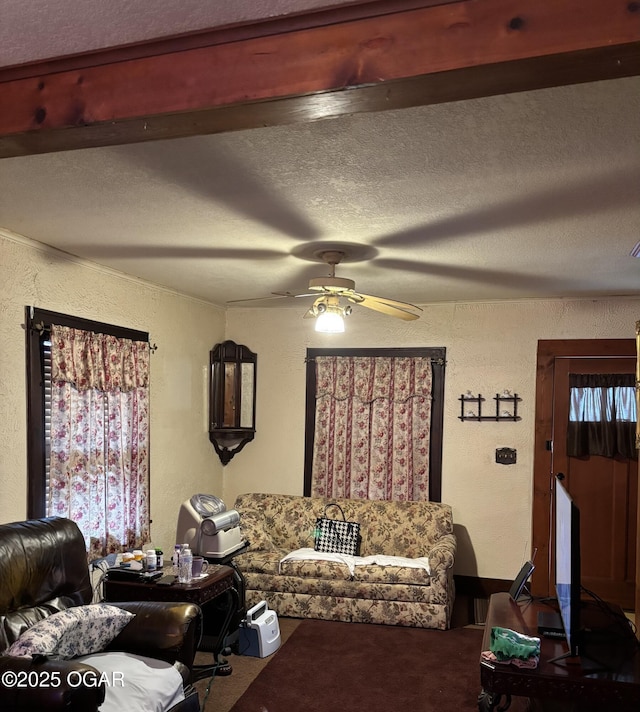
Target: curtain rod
<point>434,361</point>
<point>43,328</point>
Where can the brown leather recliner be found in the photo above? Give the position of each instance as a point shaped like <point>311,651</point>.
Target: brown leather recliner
<point>43,570</point>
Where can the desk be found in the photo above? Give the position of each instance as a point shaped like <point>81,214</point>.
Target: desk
<point>611,690</point>
<point>206,592</point>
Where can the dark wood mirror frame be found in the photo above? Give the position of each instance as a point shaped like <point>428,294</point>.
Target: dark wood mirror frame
<point>232,398</point>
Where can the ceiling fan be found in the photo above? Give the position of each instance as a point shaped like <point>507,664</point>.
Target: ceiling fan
<point>329,290</point>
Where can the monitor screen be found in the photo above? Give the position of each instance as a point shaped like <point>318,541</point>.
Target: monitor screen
<point>567,556</point>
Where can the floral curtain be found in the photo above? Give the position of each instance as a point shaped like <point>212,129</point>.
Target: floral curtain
<point>373,419</point>
<point>99,461</point>
<point>602,415</point>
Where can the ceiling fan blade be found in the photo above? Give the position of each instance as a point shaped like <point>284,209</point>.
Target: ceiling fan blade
<point>393,302</point>
<point>255,299</point>
<point>401,310</point>
<point>388,309</point>
<point>291,294</point>
<point>274,295</point>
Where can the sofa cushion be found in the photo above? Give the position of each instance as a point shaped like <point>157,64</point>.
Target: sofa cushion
<point>373,573</point>
<point>343,588</point>
<point>255,532</point>
<point>372,569</point>
<point>262,562</point>
<point>402,528</point>
<point>80,630</point>
<point>287,521</point>
<point>306,568</point>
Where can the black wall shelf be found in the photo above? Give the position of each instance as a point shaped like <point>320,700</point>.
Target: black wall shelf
<point>479,400</point>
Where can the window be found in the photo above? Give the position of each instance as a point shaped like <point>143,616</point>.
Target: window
<point>602,415</point>
<point>88,434</point>
<point>374,423</point>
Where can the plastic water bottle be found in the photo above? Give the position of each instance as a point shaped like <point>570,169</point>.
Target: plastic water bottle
<point>175,560</point>
<point>185,571</point>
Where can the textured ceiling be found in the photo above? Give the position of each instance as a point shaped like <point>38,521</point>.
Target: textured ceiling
<point>41,29</point>
<point>531,194</point>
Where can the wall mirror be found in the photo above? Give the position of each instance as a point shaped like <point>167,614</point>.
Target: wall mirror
<point>232,398</point>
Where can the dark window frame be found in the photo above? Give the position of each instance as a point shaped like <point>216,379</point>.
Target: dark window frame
<point>38,323</point>
<point>438,364</point>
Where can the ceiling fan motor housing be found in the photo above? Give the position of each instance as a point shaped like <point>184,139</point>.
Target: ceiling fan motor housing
<point>331,284</point>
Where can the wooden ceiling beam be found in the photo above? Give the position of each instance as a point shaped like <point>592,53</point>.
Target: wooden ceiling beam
<point>315,68</point>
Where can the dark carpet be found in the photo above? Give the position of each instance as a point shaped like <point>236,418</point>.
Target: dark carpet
<point>326,666</point>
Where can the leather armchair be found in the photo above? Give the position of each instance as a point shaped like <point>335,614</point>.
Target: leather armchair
<point>43,570</point>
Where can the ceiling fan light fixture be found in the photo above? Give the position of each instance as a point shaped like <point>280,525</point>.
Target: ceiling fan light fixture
<point>330,321</point>
<point>326,309</point>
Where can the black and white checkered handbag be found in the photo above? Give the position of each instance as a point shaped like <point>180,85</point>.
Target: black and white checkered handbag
<point>336,536</point>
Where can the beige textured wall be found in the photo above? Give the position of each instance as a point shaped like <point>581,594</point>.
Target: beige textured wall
<point>490,347</point>
<point>183,461</point>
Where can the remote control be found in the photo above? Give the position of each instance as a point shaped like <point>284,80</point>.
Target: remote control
<point>166,580</point>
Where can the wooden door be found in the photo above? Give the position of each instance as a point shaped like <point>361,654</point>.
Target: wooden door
<point>605,490</point>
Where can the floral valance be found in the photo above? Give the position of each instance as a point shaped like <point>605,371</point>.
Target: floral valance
<point>370,378</point>
<point>98,361</point>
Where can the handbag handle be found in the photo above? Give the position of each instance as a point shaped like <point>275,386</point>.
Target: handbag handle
<point>333,504</point>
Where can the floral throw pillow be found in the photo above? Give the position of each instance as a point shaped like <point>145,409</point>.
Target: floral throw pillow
<point>81,630</point>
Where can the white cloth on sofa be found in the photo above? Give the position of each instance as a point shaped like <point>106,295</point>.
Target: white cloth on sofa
<point>421,562</point>
<point>306,553</point>
<point>136,683</point>
<point>352,561</point>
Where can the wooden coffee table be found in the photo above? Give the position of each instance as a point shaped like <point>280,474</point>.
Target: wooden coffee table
<point>215,592</point>
<point>615,689</point>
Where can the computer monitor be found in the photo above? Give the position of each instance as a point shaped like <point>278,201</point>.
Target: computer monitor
<point>567,568</point>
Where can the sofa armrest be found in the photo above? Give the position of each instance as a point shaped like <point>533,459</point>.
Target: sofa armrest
<point>161,629</point>
<point>443,553</point>
<point>441,559</point>
<point>43,684</point>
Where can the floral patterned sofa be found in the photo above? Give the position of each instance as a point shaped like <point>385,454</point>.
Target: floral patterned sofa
<point>277,524</point>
